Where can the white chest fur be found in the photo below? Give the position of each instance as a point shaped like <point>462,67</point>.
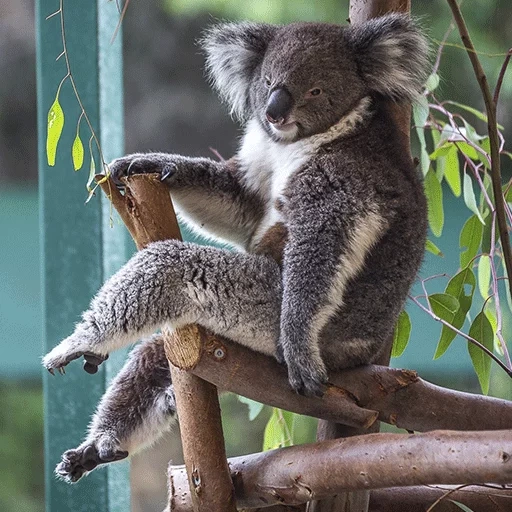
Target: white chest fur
<point>268,167</point>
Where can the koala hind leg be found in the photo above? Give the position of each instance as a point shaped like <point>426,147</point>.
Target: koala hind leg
<point>171,283</point>
<point>135,410</point>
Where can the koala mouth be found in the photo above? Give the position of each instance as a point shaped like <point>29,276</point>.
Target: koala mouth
<point>289,125</point>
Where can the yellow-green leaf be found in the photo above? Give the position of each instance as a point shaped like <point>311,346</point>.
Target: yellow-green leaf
<point>484,275</point>
<point>434,194</point>
<point>451,171</point>
<point>279,430</point>
<point>462,287</point>
<point>469,197</point>
<point>77,153</point>
<point>401,335</point>
<point>470,239</point>
<point>481,330</point>
<point>55,126</point>
<point>432,247</point>
<point>432,82</point>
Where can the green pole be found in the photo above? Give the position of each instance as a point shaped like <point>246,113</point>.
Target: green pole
<point>79,246</point>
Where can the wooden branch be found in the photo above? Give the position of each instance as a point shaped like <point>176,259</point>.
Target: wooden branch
<point>299,474</point>
<point>418,498</point>
<point>147,211</point>
<point>494,141</point>
<point>400,396</point>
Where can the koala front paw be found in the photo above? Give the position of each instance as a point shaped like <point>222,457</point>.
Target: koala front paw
<point>307,375</point>
<point>140,163</point>
<point>79,461</point>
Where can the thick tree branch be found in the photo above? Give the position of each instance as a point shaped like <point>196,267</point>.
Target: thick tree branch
<point>492,127</point>
<point>147,211</point>
<point>400,396</point>
<point>299,474</point>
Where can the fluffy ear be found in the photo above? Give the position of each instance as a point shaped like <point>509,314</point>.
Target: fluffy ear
<point>392,55</point>
<point>233,52</point>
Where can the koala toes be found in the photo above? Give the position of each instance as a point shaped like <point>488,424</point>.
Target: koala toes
<point>61,356</point>
<point>307,376</point>
<point>139,164</point>
<point>79,461</point>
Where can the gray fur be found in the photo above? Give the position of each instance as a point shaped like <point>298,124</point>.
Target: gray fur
<point>329,211</point>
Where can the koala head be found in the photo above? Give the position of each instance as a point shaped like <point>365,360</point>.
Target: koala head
<point>301,79</point>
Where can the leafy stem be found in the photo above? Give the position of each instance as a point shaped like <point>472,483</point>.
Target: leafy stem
<point>492,127</point>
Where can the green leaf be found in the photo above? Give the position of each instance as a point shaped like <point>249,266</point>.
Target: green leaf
<point>432,82</point>
<point>434,194</point>
<point>420,112</point>
<point>470,238</point>
<point>469,197</point>
<point>462,287</point>
<point>279,430</point>
<point>485,145</point>
<point>444,306</point>
<point>451,170</point>
<point>494,324</point>
<point>77,153</point>
<point>432,247</point>
<point>254,407</point>
<point>484,275</point>
<point>463,507</point>
<point>474,111</point>
<point>481,330</point>
<point>487,234</point>
<point>468,150</point>
<point>401,335</point>
<point>55,126</point>
<point>442,150</point>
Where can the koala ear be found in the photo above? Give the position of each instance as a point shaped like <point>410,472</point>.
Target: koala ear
<point>233,52</point>
<point>391,54</point>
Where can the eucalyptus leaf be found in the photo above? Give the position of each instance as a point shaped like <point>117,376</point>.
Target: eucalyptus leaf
<point>55,126</point>
<point>463,507</point>
<point>484,275</point>
<point>494,324</point>
<point>481,330</point>
<point>470,239</point>
<point>432,248</point>
<point>452,171</point>
<point>432,82</point>
<point>434,194</point>
<point>77,153</point>
<point>474,111</point>
<point>462,287</point>
<point>469,197</point>
<point>420,115</point>
<point>401,335</point>
<point>468,150</point>
<point>279,430</point>
<point>444,306</point>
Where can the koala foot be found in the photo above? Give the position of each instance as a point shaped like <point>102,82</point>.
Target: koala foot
<point>307,376</point>
<point>140,163</point>
<point>60,357</point>
<point>79,461</point>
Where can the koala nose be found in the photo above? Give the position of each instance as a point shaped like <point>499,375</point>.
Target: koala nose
<point>280,103</point>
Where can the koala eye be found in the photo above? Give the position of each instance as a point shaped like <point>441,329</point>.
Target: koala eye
<point>268,82</point>
<point>314,92</point>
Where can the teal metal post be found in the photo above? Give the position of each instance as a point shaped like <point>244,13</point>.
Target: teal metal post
<point>79,246</point>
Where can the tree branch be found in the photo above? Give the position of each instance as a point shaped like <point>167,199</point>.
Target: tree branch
<point>298,474</point>
<point>492,127</point>
<point>147,211</point>
<point>400,396</point>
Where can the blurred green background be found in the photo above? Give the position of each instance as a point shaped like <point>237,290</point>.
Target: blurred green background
<point>170,108</point>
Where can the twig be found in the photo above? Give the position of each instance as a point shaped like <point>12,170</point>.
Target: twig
<point>501,76</point>
<point>445,495</point>
<point>490,107</point>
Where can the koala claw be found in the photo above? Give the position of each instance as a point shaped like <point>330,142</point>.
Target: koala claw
<point>308,379</point>
<point>79,461</point>
<point>56,360</point>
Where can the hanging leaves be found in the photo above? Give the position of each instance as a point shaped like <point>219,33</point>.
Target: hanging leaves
<point>481,330</point>
<point>401,335</point>
<point>420,114</point>
<point>434,194</point>
<point>484,275</point>
<point>461,287</point>
<point>54,131</point>
<point>77,153</point>
<point>279,430</point>
<point>469,197</point>
<point>452,171</point>
<point>254,407</point>
<point>470,239</point>
<point>432,248</point>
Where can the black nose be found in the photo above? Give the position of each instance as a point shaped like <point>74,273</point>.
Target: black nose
<point>279,105</point>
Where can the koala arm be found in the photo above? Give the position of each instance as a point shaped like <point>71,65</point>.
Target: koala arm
<point>329,239</point>
<point>208,195</point>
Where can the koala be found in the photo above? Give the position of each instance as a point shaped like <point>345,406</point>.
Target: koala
<point>325,210</point>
